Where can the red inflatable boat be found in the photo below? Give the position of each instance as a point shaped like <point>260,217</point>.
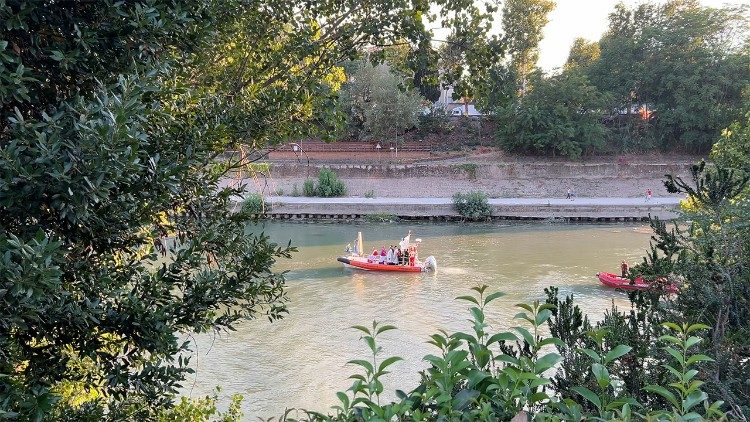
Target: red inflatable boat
<point>371,266</point>
<point>375,262</point>
<point>613,280</point>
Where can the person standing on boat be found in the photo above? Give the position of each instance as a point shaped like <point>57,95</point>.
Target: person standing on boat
<point>375,257</point>
<point>382,255</point>
<point>624,269</point>
<point>389,256</point>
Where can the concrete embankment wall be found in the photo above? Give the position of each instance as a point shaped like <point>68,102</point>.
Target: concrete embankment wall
<point>571,212</point>
<point>490,171</point>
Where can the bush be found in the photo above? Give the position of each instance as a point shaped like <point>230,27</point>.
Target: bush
<point>255,204</point>
<point>329,184</point>
<point>481,375</point>
<point>308,188</point>
<point>472,205</point>
<point>370,194</point>
<point>295,190</point>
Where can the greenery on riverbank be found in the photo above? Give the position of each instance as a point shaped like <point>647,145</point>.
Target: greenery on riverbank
<point>329,185</point>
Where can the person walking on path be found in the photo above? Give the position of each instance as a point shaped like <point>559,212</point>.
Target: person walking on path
<point>648,194</point>
<point>570,194</point>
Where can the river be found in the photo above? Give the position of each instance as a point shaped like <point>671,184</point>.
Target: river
<point>300,361</point>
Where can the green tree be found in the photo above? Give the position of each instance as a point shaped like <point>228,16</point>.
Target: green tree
<point>582,54</point>
<point>686,63</point>
<point>116,235</point>
<point>707,256</point>
<point>523,22</point>
<point>560,116</point>
<point>379,103</point>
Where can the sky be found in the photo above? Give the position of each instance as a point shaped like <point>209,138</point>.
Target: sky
<point>587,19</point>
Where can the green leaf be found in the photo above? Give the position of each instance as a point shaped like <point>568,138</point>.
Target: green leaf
<point>363,363</point>
<point>526,335</point>
<point>492,297</point>
<point>361,328</point>
<point>542,316</point>
<point>547,361</point>
<point>692,341</point>
<point>615,353</point>
<point>384,328</point>
<point>697,358</point>
<point>601,374</point>
<point>589,395</point>
<point>694,398</point>
<point>471,299</point>
<point>658,389</point>
<point>388,362</point>
<point>526,307</point>
<point>501,337</point>
<point>592,354</point>
<point>508,359</point>
<point>552,340</point>
<point>476,377</point>
<point>371,344</point>
<point>344,399</point>
<point>477,314</point>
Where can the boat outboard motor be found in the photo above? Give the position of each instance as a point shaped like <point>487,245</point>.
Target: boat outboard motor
<point>430,263</point>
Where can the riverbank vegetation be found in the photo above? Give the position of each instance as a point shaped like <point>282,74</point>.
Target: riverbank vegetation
<point>664,77</point>
<point>329,185</point>
<point>473,206</point>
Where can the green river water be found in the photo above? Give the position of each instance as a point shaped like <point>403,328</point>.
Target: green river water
<point>300,361</point>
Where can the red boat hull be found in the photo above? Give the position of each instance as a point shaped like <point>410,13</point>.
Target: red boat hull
<point>614,280</point>
<point>371,266</point>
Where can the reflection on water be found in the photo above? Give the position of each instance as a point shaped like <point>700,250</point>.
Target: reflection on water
<point>300,361</point>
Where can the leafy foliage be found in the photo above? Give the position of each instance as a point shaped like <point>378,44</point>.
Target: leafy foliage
<point>523,21</point>
<point>378,105</point>
<point>116,235</point>
<point>478,375</point>
<point>560,116</point>
<point>255,204</point>
<point>686,63</point>
<point>472,205</point>
<point>329,184</point>
<point>308,188</point>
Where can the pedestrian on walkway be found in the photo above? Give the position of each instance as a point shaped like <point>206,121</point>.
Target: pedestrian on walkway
<point>570,194</point>
<point>648,194</point>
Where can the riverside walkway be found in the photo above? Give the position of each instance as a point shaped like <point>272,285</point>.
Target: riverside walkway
<point>582,208</point>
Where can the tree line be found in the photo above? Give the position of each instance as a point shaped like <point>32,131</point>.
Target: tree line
<point>664,77</point>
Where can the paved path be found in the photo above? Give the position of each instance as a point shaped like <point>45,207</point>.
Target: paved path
<point>492,201</point>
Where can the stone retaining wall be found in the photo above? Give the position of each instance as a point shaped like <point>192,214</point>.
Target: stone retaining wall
<point>490,171</point>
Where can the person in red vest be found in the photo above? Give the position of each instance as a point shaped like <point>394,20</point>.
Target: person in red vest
<point>624,269</point>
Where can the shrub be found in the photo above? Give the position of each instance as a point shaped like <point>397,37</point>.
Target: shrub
<point>381,218</point>
<point>472,205</point>
<point>329,184</point>
<point>481,375</point>
<point>370,194</point>
<point>469,168</point>
<point>279,192</point>
<point>308,188</point>
<point>255,204</point>
<point>295,190</point>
